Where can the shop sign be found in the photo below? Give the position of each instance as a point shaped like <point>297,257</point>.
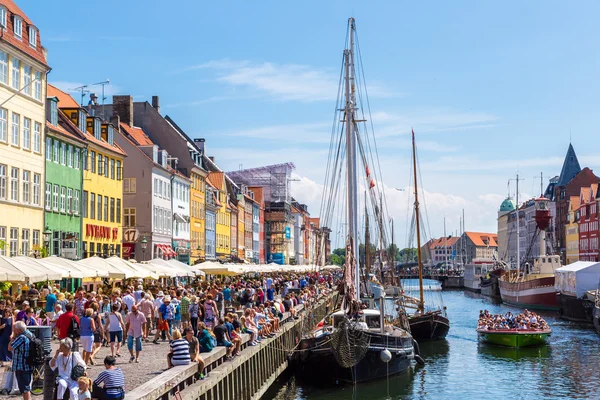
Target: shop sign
<point>101,232</point>
<point>181,243</point>
<point>131,235</point>
<point>128,250</point>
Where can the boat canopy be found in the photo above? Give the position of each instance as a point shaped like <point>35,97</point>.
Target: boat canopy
<point>577,278</point>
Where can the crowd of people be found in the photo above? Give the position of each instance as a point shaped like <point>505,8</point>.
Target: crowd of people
<point>194,318</point>
<point>527,320</point>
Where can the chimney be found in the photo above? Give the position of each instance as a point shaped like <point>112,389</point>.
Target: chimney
<point>123,107</point>
<point>116,121</point>
<point>156,103</point>
<point>201,143</point>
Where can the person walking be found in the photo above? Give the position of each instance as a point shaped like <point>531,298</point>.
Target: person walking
<point>193,310</point>
<point>87,328</point>
<point>135,326</point>
<point>146,307</point>
<point>185,310</point>
<point>6,331</point>
<point>19,346</point>
<point>115,329</point>
<point>211,312</point>
<point>166,313</point>
<point>98,332</point>
<point>63,362</point>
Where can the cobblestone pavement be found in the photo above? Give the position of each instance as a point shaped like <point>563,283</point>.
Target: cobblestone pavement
<point>153,361</point>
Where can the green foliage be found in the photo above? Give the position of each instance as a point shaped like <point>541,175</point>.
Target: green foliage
<point>407,255</point>
<point>5,286</point>
<point>2,245</point>
<point>337,260</point>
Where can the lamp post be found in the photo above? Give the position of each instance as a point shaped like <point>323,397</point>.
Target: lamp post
<point>144,244</point>
<point>47,234</point>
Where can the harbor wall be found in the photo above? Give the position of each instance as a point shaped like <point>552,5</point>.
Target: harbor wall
<point>246,377</point>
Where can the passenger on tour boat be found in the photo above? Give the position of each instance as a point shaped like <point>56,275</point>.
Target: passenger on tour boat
<point>527,320</point>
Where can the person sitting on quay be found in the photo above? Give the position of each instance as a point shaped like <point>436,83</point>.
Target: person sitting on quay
<point>63,362</point>
<point>223,338</point>
<point>110,383</point>
<point>180,350</point>
<point>194,348</point>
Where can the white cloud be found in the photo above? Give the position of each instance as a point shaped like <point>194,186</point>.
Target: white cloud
<point>288,82</point>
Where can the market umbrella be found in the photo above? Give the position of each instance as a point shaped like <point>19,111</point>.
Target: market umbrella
<point>165,269</point>
<point>8,272</point>
<point>184,267</point>
<point>101,264</point>
<point>140,270</point>
<point>72,266</point>
<point>30,271</point>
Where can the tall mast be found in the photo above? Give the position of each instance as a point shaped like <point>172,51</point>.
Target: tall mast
<point>417,217</point>
<point>445,244</point>
<point>352,186</point>
<point>381,249</point>
<point>541,184</point>
<point>393,257</point>
<point>518,234</point>
<point>367,241</point>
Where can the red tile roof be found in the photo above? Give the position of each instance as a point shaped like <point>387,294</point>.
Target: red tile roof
<point>137,135</point>
<point>66,101</point>
<point>433,243</point>
<point>216,179</point>
<point>23,43</point>
<point>480,238</point>
<point>65,132</point>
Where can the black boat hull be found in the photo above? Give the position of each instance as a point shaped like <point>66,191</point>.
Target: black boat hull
<point>573,309</point>
<point>490,287</point>
<point>430,326</point>
<point>318,363</point>
<point>596,317</point>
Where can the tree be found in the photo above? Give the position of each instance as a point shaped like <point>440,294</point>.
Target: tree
<point>407,255</point>
<point>338,257</point>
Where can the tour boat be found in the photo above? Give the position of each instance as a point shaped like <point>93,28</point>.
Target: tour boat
<point>576,288</point>
<point>353,344</point>
<point>533,287</point>
<point>515,337</point>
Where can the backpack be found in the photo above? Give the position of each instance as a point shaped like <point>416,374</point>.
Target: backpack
<point>37,354</point>
<point>73,332</point>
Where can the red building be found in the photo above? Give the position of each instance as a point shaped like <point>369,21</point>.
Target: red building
<point>588,223</point>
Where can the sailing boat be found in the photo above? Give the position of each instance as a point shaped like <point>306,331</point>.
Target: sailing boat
<point>424,325</point>
<point>354,344</point>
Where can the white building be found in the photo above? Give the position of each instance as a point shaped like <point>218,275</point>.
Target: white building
<point>180,203</point>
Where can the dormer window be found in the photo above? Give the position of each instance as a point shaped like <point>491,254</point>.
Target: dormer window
<point>97,130</point>
<point>32,37</point>
<point>111,135</point>
<point>82,119</point>
<point>18,27</point>
<point>3,17</point>
<point>54,112</point>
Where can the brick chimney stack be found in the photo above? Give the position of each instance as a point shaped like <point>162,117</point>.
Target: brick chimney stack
<point>156,103</point>
<point>123,107</point>
<point>116,121</point>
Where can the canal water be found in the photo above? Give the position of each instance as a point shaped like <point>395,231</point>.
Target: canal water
<point>462,368</point>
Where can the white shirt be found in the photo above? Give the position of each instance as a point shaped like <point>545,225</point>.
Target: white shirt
<point>157,303</point>
<point>65,366</point>
<point>129,300</point>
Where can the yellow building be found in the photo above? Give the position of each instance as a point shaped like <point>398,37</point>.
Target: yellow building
<point>572,231</point>
<point>23,71</point>
<point>223,217</point>
<point>102,198</point>
<point>198,214</point>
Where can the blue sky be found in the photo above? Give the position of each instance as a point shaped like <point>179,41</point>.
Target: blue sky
<point>491,88</point>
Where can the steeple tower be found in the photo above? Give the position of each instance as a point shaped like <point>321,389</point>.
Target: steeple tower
<point>570,168</point>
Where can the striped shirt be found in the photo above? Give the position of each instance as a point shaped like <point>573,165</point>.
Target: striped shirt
<point>114,382</point>
<point>181,352</point>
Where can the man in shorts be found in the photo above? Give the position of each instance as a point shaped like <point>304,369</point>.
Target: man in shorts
<point>135,322</point>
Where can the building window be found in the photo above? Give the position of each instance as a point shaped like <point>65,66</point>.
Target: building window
<point>48,196</point>
<point>3,125</point>
<point>32,37</point>
<point>112,209</point>
<point>63,198</point>
<point>2,239</point>
<point>84,203</point>
<point>105,167</point>
<point>3,13</point>
<point>75,208</point>
<point>37,137</point>
<point>36,239</point>
<point>112,168</point>
<point>37,86</point>
<point>129,217</point>
<point>56,151</point>
<point>129,185</point>
<point>105,208</point>
<point>119,171</point>
<point>14,241</point>
<point>18,26</point>
<point>26,185</point>
<point>92,206</point>
<point>27,80</point>
<point>70,156</point>
<point>14,184</point>
<point>99,207</point>
<point>26,133</point>
<point>25,242</point>
<point>55,198</point>
<point>69,200</point>
<point>3,67</point>
<point>16,120</point>
<point>118,211</point>
<point>16,74</point>
<point>2,182</point>
<point>82,121</point>
<point>100,165</point>
<point>63,154</point>
<point>93,160</point>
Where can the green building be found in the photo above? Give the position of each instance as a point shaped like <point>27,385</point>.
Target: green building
<point>65,150</point>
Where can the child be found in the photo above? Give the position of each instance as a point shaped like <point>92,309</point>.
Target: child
<point>84,384</point>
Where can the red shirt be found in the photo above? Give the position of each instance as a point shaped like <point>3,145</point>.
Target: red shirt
<point>63,323</point>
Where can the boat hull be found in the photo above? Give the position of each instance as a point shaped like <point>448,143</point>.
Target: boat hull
<point>318,363</point>
<point>514,338</point>
<point>491,288</point>
<point>596,318</point>
<point>472,285</point>
<point>573,309</point>
<point>430,326</point>
<point>537,293</point>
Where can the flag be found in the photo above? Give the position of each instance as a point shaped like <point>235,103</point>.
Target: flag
<point>453,256</point>
<point>368,171</point>
<point>371,184</point>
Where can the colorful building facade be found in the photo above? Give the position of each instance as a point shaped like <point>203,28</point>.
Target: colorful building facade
<point>572,231</point>
<point>588,223</point>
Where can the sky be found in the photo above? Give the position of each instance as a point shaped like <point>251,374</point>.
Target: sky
<point>491,89</point>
